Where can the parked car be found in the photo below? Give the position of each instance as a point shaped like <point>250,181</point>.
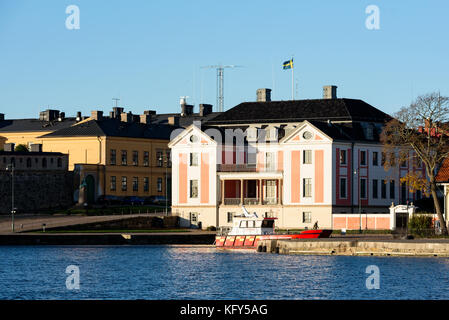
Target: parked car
<point>133,200</point>
<point>108,200</point>
<point>160,200</point>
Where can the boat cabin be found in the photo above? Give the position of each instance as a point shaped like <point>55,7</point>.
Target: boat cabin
<point>252,226</point>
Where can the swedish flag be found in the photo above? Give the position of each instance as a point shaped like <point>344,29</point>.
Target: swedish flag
<point>287,64</point>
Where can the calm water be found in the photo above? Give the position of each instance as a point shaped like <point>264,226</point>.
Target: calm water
<point>168,272</point>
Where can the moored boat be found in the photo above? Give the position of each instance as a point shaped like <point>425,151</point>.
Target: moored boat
<point>248,229</point>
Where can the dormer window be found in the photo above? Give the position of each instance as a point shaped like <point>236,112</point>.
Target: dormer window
<point>251,134</point>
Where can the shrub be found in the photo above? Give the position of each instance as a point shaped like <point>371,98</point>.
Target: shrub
<point>21,148</point>
<point>420,224</point>
<point>211,228</point>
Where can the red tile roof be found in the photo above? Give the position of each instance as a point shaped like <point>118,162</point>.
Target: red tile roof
<point>443,173</point>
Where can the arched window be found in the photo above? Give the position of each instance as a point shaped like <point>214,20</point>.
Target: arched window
<point>44,162</point>
<point>29,163</point>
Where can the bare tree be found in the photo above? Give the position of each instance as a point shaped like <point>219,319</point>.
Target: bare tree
<point>423,128</point>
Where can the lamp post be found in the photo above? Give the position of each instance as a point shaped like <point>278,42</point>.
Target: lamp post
<point>360,202</point>
<point>13,209</point>
<point>161,158</point>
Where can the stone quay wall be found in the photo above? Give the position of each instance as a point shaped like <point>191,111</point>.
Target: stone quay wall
<point>36,190</point>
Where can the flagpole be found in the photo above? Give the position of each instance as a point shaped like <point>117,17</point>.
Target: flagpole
<point>293,77</point>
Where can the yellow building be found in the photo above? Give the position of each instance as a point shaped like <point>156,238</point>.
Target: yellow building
<point>117,156</point>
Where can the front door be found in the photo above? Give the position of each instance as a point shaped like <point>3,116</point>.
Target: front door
<point>193,220</point>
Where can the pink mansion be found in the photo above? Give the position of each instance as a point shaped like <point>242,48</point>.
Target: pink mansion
<point>302,161</point>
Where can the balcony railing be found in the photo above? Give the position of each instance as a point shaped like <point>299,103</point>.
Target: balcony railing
<point>270,201</point>
<point>232,201</point>
<point>250,201</point>
<point>236,167</point>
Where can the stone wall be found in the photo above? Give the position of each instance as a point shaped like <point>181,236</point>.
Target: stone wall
<point>36,190</point>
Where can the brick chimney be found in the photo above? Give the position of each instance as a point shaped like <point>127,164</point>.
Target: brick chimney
<point>173,121</point>
<point>264,95</point>
<point>145,118</point>
<point>97,115</point>
<point>205,109</point>
<point>9,147</point>
<point>36,147</point>
<point>329,92</point>
<point>126,117</point>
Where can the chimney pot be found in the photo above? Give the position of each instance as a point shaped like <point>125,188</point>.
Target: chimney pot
<point>2,116</point>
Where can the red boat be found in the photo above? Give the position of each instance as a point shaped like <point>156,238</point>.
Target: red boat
<point>248,230</point>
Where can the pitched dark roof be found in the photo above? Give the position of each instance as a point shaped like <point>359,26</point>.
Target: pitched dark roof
<point>300,110</point>
<point>443,172</point>
<point>115,128</point>
<point>184,121</point>
<point>34,125</point>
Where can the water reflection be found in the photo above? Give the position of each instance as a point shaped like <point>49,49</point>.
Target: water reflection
<point>180,272</point>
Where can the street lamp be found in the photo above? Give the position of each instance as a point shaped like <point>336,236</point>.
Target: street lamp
<point>161,158</point>
<point>360,203</point>
<point>13,209</point>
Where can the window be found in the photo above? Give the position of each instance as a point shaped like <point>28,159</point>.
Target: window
<point>135,158</point>
<point>51,160</point>
<point>193,159</point>
<point>44,162</point>
<point>146,158</point>
<point>392,191</point>
<point>113,183</point>
<point>159,184</point>
<point>403,192</point>
<point>59,162</point>
<point>159,158</point>
<point>270,190</point>
<point>362,188</point>
<point>168,157</point>
<point>363,158</point>
<point>270,161</point>
<point>193,188</point>
<point>124,158</point>
<point>384,189</point>
<point>343,193</point>
<point>375,158</point>
<point>384,159</point>
<point>146,184</point>
<point>124,184</point>
<point>28,163</point>
<point>112,157</point>
<point>307,156</point>
<point>230,216</point>
<point>306,217</point>
<point>375,189</point>
<point>193,217</point>
<point>343,157</point>
<point>392,159</point>
<point>418,194</point>
<point>135,184</point>
<point>307,187</point>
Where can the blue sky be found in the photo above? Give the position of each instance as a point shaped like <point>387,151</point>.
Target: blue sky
<point>149,53</point>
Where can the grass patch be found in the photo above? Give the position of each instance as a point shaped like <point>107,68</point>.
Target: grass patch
<point>115,231</point>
